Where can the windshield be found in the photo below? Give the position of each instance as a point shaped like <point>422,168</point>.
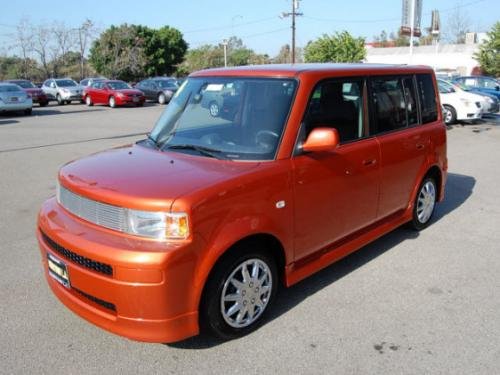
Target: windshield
<point>66,83</point>
<point>118,85</point>
<point>25,84</point>
<point>445,87</point>
<point>236,118</point>
<point>163,83</point>
<point>9,88</point>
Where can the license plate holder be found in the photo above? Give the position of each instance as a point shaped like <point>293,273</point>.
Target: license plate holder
<point>58,270</point>
<point>135,99</point>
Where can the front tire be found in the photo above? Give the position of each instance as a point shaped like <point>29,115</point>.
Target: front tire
<point>162,99</point>
<point>88,101</point>
<point>59,100</point>
<point>239,292</point>
<point>112,102</point>
<point>449,115</point>
<point>424,205</point>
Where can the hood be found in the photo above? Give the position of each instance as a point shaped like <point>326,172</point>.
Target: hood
<point>141,178</point>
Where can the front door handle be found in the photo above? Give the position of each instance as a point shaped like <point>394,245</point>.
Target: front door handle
<point>420,146</point>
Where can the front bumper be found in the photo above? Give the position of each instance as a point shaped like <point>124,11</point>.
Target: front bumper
<point>149,294</point>
<point>125,100</point>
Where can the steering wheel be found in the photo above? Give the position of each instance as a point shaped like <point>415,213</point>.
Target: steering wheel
<point>266,138</point>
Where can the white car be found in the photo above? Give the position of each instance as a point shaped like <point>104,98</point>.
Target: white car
<point>63,90</point>
<point>459,105</point>
<point>14,99</point>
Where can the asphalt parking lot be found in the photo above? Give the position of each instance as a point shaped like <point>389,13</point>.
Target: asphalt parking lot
<point>426,303</point>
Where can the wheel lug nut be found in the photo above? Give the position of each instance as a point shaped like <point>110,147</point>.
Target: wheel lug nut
<point>251,285</point>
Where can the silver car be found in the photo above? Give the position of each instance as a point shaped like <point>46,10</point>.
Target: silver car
<point>13,99</point>
<point>63,90</point>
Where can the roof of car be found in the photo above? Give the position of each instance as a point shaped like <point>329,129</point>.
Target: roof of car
<point>292,70</point>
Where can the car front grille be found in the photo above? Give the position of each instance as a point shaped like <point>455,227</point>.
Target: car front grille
<point>103,214</point>
<point>88,263</point>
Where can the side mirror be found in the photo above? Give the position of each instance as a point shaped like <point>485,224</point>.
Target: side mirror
<point>321,139</point>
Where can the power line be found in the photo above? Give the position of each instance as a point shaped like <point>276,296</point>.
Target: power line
<point>391,19</point>
<point>228,26</point>
<point>245,36</point>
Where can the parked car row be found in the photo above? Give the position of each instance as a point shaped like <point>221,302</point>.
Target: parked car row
<point>465,103</point>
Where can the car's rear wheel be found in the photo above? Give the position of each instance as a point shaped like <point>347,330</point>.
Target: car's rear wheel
<point>88,101</point>
<point>112,102</point>
<point>59,100</point>
<point>43,104</point>
<point>239,292</point>
<point>449,114</point>
<point>162,99</point>
<point>28,111</point>
<point>424,205</point>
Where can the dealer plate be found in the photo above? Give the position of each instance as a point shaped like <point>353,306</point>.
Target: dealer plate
<point>58,270</point>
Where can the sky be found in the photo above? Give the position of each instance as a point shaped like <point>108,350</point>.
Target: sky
<point>256,22</point>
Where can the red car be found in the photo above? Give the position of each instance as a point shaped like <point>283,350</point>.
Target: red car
<point>113,93</point>
<point>36,93</point>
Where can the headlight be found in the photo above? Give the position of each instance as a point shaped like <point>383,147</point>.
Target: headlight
<point>489,100</point>
<point>158,225</point>
<point>66,91</point>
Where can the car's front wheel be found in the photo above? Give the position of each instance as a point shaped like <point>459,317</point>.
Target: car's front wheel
<point>449,114</point>
<point>112,102</point>
<point>60,101</point>
<point>239,292</point>
<point>214,109</point>
<point>88,101</point>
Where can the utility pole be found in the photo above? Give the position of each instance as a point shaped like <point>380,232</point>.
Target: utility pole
<point>224,43</point>
<point>293,13</point>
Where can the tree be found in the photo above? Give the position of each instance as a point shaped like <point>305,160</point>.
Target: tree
<point>399,39</point>
<point>381,39</point>
<point>489,52</point>
<point>41,46</point>
<point>24,42</point>
<point>340,47</point>
<point>458,24</point>
<point>86,32</point>
<point>131,52</point>
<point>164,49</point>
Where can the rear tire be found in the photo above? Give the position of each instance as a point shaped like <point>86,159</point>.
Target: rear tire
<point>43,104</point>
<point>449,114</point>
<point>214,109</point>
<point>28,111</point>
<point>232,310</point>
<point>424,204</point>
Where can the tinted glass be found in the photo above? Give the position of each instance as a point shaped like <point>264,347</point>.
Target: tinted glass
<point>239,118</point>
<point>118,85</point>
<point>410,101</point>
<point>487,83</point>
<point>337,104</point>
<point>164,83</point>
<point>427,96</point>
<point>66,83</point>
<point>25,84</point>
<point>10,88</point>
<point>389,105</point>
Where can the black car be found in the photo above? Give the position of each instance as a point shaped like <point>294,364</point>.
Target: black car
<point>159,89</point>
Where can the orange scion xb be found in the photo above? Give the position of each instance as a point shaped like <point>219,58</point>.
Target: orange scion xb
<point>252,178</point>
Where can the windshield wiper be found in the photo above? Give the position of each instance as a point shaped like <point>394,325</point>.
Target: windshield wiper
<point>207,151</point>
<point>155,142</point>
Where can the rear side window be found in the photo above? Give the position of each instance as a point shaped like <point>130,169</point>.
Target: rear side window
<point>427,96</point>
<point>389,104</point>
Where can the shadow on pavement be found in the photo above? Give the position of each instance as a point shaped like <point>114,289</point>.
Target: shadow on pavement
<point>458,189</point>
<point>8,122</point>
<point>50,112</point>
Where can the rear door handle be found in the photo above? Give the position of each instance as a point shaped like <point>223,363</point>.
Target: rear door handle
<point>369,162</point>
<point>420,146</point>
